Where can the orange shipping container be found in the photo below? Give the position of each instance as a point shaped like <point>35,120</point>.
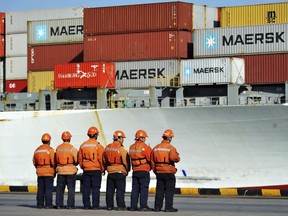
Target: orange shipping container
<point>86,74</point>
<point>43,58</point>
<point>138,46</point>
<point>138,18</point>
<point>2,46</point>
<point>2,23</point>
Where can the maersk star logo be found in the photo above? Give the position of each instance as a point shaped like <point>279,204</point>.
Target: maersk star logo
<point>187,72</point>
<point>41,32</point>
<point>211,41</point>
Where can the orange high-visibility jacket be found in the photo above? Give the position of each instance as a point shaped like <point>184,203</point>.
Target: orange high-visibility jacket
<point>140,154</point>
<point>116,158</point>
<point>90,155</point>
<point>163,158</point>
<point>66,159</point>
<point>43,160</point>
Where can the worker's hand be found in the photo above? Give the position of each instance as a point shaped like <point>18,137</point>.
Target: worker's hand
<point>103,173</point>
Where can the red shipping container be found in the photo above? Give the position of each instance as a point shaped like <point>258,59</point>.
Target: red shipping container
<point>266,69</point>
<point>43,58</point>
<point>2,46</point>
<point>16,86</point>
<point>2,23</point>
<point>138,46</point>
<point>138,18</point>
<point>86,74</point>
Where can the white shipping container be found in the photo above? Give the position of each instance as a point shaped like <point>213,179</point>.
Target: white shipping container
<point>16,21</point>
<point>205,17</point>
<point>247,40</point>
<point>1,76</point>
<point>55,31</point>
<point>212,71</point>
<point>142,74</point>
<point>16,68</point>
<point>16,45</point>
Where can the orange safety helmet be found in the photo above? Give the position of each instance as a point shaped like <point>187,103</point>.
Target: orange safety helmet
<point>119,133</point>
<point>168,133</point>
<point>92,131</point>
<point>140,133</point>
<point>66,135</point>
<point>46,137</point>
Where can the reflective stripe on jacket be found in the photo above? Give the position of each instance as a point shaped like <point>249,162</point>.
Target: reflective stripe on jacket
<point>66,159</point>
<point>43,160</point>
<point>140,154</point>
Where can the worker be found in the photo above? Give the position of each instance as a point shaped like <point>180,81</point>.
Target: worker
<point>90,160</point>
<point>117,163</point>
<point>163,159</point>
<point>66,168</point>
<point>140,153</point>
<point>43,160</point>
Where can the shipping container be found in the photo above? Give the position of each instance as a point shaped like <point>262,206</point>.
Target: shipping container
<point>211,71</point>
<point>2,84</point>
<point>266,69</point>
<point>138,46</point>
<point>16,68</point>
<point>260,14</point>
<point>2,46</point>
<point>16,45</point>
<point>205,17</point>
<point>84,75</point>
<point>40,80</point>
<point>2,23</point>
<point>16,86</point>
<point>138,18</point>
<point>248,40</point>
<point>16,21</point>
<point>142,74</point>
<point>58,31</point>
<point>43,58</point>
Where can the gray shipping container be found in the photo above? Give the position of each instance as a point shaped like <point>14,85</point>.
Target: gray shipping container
<point>55,31</point>
<point>248,40</point>
<point>16,45</point>
<point>212,71</point>
<point>16,68</point>
<point>16,21</point>
<point>142,74</point>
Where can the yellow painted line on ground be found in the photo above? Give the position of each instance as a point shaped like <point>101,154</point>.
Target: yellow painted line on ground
<point>270,192</point>
<point>32,189</point>
<point>189,191</point>
<point>152,190</point>
<point>228,192</point>
<point>4,188</point>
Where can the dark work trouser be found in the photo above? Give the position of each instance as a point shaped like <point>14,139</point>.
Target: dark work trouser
<point>140,187</point>
<point>91,183</point>
<point>115,181</point>
<point>165,186</point>
<point>44,191</point>
<point>62,181</point>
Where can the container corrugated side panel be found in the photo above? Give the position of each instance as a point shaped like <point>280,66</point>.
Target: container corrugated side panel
<point>142,74</point>
<point>55,31</point>
<point>204,17</point>
<point>254,15</point>
<point>206,71</point>
<point>43,58</point>
<point>2,46</point>
<point>16,86</point>
<point>138,18</point>
<point>16,68</point>
<point>40,80</point>
<point>2,23</point>
<point>261,39</point>
<point>86,74</point>
<point>16,45</point>
<point>266,69</point>
<point>16,21</point>
<point>138,46</point>
<point>1,76</point>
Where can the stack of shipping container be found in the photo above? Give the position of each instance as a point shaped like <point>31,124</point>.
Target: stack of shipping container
<point>19,58</point>
<point>256,33</point>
